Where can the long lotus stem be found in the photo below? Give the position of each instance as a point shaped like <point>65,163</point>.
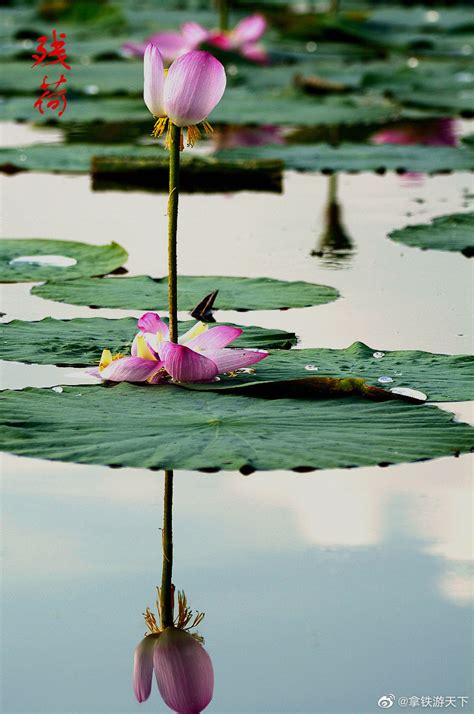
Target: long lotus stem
<point>174,146</point>
<point>223,7</point>
<point>166,593</point>
<point>334,7</point>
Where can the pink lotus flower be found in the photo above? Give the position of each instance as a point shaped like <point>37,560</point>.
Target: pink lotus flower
<point>243,39</point>
<point>192,87</point>
<point>200,355</point>
<point>183,670</point>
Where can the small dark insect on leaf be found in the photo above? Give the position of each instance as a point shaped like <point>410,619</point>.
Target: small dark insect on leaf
<point>203,310</point>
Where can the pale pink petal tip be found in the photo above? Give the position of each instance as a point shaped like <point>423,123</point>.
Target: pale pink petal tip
<point>215,338</point>
<point>152,322</point>
<point>143,667</point>
<point>184,365</point>
<point>194,86</point>
<point>153,80</point>
<point>130,369</point>
<point>184,672</point>
<point>250,29</point>
<point>171,45</point>
<point>194,33</point>
<point>227,360</point>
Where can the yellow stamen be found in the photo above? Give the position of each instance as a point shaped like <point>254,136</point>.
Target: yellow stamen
<point>143,350</point>
<point>207,127</point>
<point>193,135</point>
<point>107,358</point>
<point>160,126</point>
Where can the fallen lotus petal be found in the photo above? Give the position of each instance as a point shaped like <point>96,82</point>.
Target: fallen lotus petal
<point>185,365</point>
<point>143,667</point>
<point>183,671</point>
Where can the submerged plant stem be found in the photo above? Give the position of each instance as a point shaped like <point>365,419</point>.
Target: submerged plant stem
<point>223,7</point>
<point>334,7</point>
<point>166,593</point>
<point>174,146</point>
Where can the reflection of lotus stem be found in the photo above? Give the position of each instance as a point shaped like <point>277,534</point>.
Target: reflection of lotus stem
<point>174,145</point>
<point>222,6</point>
<point>334,7</point>
<point>166,593</point>
<point>332,189</point>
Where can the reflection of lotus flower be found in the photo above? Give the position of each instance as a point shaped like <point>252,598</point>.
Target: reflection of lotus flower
<point>228,136</point>
<point>190,90</point>
<point>243,38</point>
<point>200,356</point>
<point>440,132</point>
<point>183,670</point>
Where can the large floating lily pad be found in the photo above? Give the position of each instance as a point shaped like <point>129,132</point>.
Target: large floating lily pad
<point>82,259</point>
<point>440,377</point>
<point>454,232</point>
<point>145,293</point>
<point>174,428</point>
<point>362,157</point>
<point>79,342</point>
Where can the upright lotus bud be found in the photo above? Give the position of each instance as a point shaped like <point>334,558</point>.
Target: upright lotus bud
<point>183,671</point>
<point>193,87</point>
<point>153,80</point>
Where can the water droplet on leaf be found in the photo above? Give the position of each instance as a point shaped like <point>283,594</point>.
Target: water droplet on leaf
<point>54,261</point>
<point>378,355</point>
<point>59,390</point>
<point>407,392</point>
<point>311,368</point>
<point>91,89</point>
<point>385,380</point>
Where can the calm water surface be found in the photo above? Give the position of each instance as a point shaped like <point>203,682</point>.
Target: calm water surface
<point>322,591</point>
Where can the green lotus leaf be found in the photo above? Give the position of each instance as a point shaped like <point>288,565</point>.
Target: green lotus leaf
<point>81,259</point>
<point>166,427</point>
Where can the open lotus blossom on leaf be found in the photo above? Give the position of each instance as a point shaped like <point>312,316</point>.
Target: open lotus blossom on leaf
<point>186,94</point>
<point>201,354</point>
<point>243,39</point>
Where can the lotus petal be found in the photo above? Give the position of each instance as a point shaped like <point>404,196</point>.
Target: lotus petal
<point>130,369</point>
<point>184,365</point>
<point>255,53</point>
<point>250,29</point>
<point>171,45</point>
<point>143,667</point>
<point>227,360</point>
<point>215,338</point>
<point>194,33</point>
<point>153,80</point>
<point>183,671</point>
<point>194,85</point>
